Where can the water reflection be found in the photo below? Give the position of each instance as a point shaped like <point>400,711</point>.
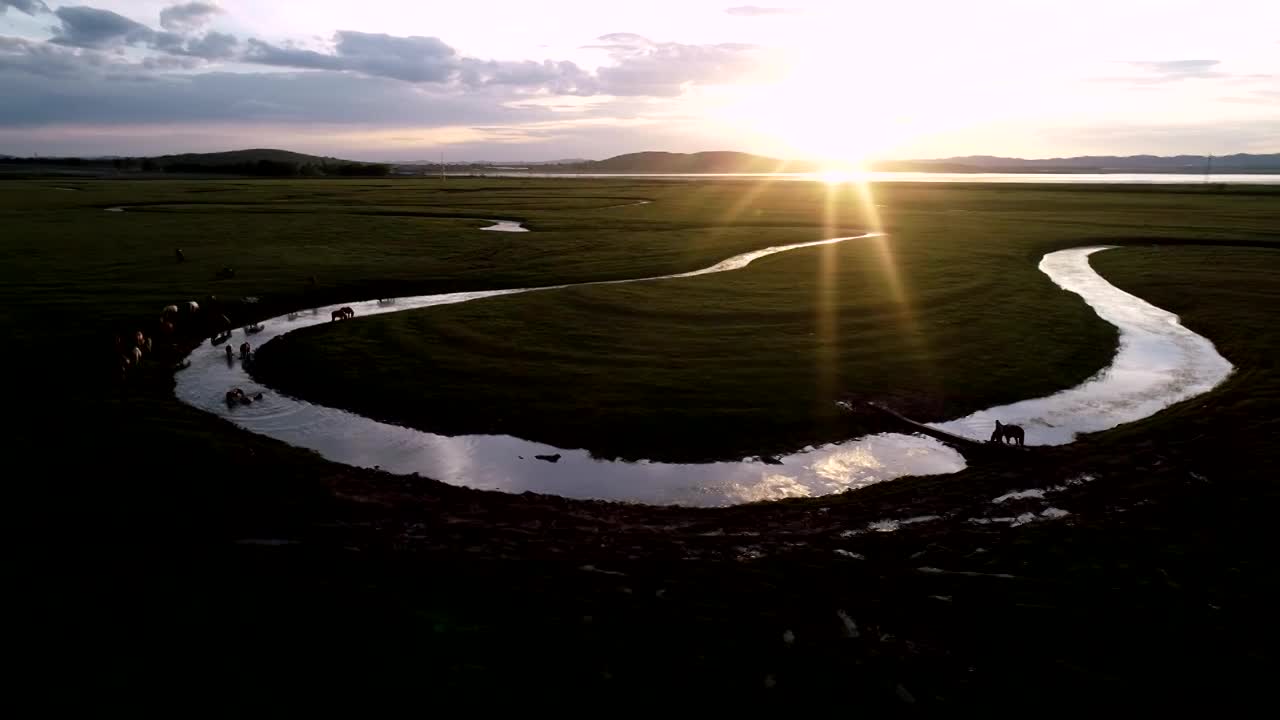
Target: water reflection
<point>497,462</point>
<point>505,226</point>
<point>1159,363</point>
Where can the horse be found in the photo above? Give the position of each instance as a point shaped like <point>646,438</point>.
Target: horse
<point>337,315</point>
<point>1004,433</point>
<point>236,396</point>
<point>348,312</point>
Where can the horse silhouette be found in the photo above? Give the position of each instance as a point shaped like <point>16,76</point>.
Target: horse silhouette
<point>1005,433</point>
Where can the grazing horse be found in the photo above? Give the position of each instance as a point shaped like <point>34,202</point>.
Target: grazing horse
<point>337,315</point>
<point>1005,433</point>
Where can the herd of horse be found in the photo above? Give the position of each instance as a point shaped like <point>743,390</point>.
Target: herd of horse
<point>131,355</point>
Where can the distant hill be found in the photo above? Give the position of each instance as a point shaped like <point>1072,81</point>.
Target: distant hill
<point>239,157</point>
<point>701,162</point>
<point>264,162</point>
<point>255,162</point>
<point>1226,164</point>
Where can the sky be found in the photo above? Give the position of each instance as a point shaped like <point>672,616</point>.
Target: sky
<point>523,80</point>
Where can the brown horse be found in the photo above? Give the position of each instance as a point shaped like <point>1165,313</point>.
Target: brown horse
<point>337,315</point>
<point>1005,433</point>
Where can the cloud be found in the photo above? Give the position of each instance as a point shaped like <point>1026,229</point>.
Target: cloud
<point>1173,70</point>
<point>30,7</point>
<point>212,46</point>
<point>758,11</point>
<point>188,16</point>
<point>93,29</point>
<point>88,27</point>
<point>413,59</point>
<point>57,86</point>
<point>636,65</point>
<point>418,59</point>
<point>643,67</point>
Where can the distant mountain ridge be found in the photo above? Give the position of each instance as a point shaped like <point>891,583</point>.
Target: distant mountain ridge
<point>740,162</point>
<point>285,163</point>
<point>716,161</point>
<point>1195,164</point>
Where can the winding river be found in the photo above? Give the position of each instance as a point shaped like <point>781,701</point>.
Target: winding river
<point>1159,363</point>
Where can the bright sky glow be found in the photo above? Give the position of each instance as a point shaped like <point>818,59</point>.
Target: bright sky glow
<point>527,80</point>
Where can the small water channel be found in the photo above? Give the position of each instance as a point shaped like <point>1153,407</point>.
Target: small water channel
<point>1159,363</point>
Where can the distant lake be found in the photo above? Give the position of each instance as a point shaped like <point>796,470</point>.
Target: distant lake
<point>1051,178</point>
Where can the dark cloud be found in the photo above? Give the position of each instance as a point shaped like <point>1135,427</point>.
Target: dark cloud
<point>93,29</point>
<point>423,60</point>
<point>89,89</point>
<point>89,27</point>
<point>412,59</point>
<point>637,66</point>
<point>363,81</point>
<point>757,11</point>
<point>212,46</point>
<point>30,7</point>
<point>43,59</point>
<point>188,16</point>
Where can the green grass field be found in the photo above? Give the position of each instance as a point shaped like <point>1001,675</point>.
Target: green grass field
<point>1163,566</point>
<point>946,316</point>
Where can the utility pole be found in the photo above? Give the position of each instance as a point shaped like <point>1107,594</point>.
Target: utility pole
<point>441,166</point>
<point>1208,168</point>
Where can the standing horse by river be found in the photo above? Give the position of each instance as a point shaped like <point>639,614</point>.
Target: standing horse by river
<point>1005,433</point>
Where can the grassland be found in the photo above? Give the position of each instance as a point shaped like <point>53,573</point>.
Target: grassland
<point>1158,586</point>
<point>946,316</point>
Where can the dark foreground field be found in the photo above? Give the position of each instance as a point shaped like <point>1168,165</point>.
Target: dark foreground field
<point>171,553</point>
